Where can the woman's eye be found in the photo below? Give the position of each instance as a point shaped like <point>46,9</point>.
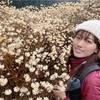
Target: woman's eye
<point>88,41</point>
<point>77,37</point>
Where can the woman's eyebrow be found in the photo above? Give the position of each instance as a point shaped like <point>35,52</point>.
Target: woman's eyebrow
<point>85,37</point>
<point>78,35</point>
<point>90,38</point>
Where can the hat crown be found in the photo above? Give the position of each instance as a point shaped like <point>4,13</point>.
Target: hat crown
<point>92,26</point>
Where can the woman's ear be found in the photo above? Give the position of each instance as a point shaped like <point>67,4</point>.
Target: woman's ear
<point>98,54</point>
<point>96,51</point>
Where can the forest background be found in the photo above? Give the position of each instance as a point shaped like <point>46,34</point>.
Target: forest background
<point>23,3</point>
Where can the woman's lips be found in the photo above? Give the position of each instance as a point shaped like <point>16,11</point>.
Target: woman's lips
<point>78,50</point>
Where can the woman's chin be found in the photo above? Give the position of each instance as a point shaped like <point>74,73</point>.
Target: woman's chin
<point>79,55</point>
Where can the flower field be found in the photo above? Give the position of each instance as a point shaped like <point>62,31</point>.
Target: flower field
<point>34,46</point>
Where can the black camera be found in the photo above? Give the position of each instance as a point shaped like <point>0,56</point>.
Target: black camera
<point>74,91</point>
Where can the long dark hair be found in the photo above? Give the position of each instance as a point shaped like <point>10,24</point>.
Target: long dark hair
<point>94,58</point>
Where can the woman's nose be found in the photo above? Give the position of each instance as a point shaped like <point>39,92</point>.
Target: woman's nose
<point>81,43</point>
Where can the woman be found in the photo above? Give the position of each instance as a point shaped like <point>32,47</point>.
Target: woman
<point>85,50</point>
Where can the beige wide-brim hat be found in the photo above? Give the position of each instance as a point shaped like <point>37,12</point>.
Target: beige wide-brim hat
<point>92,26</point>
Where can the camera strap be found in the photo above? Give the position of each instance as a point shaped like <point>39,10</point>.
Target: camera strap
<point>88,69</point>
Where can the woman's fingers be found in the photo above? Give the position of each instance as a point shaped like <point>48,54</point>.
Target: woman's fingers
<point>60,94</point>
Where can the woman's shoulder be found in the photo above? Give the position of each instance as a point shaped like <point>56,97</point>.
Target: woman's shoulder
<point>93,76</point>
<point>91,86</point>
<point>92,79</point>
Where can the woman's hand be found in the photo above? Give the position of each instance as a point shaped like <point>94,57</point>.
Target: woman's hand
<point>59,93</point>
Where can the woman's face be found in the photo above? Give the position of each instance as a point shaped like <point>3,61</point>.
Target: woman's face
<point>83,44</point>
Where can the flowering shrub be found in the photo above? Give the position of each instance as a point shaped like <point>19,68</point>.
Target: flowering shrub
<point>34,46</point>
